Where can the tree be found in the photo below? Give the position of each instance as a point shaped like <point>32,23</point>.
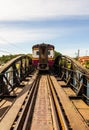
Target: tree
<point>56,54</point>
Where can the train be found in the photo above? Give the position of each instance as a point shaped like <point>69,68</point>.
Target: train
<point>43,56</point>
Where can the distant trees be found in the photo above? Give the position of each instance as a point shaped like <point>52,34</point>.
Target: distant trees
<point>56,53</point>
<point>6,58</point>
<point>86,64</point>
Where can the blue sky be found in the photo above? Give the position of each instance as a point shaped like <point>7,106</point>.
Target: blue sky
<point>63,23</point>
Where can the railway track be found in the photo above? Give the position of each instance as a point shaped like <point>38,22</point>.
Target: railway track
<point>41,108</point>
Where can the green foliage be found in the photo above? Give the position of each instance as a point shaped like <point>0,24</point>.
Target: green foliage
<point>6,58</point>
<point>76,58</point>
<point>56,54</point>
<point>87,64</point>
<point>30,55</point>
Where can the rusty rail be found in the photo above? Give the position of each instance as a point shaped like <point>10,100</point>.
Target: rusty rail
<point>23,120</point>
<point>24,117</point>
<point>61,122</point>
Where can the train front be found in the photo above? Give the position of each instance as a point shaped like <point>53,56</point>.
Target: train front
<point>43,56</point>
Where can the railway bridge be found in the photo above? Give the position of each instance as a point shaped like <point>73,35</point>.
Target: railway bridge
<point>57,100</point>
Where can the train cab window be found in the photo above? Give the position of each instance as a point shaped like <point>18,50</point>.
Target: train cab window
<point>48,52</point>
<point>37,53</point>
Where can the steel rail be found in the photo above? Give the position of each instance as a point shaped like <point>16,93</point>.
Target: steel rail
<point>53,110</point>
<point>28,120</point>
<point>60,114</point>
<point>26,113</point>
<point>24,120</point>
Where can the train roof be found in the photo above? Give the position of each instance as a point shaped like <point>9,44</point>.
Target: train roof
<point>42,44</point>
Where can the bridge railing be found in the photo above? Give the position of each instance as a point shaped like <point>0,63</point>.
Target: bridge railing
<point>74,74</point>
<point>13,73</point>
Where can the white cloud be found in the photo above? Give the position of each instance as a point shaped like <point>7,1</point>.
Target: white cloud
<point>15,35</point>
<point>39,9</point>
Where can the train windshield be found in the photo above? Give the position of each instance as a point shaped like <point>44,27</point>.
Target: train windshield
<point>37,53</point>
<point>48,52</point>
<point>43,54</point>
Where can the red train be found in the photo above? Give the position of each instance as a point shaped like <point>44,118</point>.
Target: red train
<point>43,56</point>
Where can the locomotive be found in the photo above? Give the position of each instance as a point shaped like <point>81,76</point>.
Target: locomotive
<point>43,56</point>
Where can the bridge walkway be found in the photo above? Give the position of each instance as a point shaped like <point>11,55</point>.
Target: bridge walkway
<point>76,111</point>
